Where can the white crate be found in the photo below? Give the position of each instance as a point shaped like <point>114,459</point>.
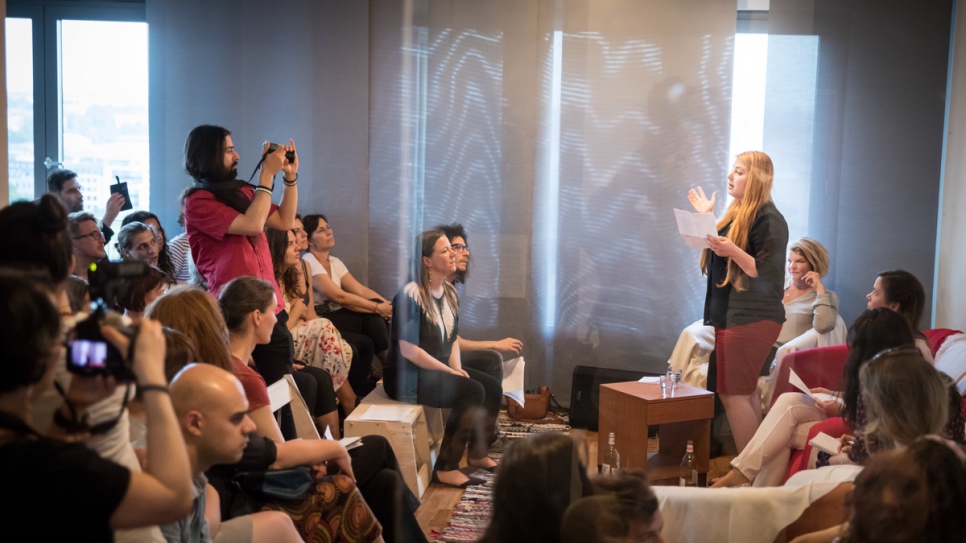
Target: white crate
<point>415,433</point>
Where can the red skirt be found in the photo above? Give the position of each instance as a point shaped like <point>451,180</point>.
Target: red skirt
<point>740,352</point>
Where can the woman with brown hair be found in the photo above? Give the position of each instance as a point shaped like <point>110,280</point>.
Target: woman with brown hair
<point>902,292</point>
<point>151,220</point>
<point>423,365</point>
<point>744,265</point>
<point>139,292</point>
<point>539,477</point>
<point>351,306</point>
<point>317,342</point>
<point>194,313</point>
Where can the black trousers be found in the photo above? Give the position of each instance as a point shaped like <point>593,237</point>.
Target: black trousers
<point>363,350</point>
<point>490,363</point>
<point>368,324</point>
<point>382,485</point>
<point>315,385</point>
<point>473,402</point>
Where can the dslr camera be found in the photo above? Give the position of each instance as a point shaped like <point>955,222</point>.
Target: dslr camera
<point>289,156</point>
<point>89,352</point>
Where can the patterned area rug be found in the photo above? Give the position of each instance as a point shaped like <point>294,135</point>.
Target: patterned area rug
<point>472,513</point>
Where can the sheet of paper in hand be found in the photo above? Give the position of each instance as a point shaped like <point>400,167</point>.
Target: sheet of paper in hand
<point>797,382</point>
<point>695,228</point>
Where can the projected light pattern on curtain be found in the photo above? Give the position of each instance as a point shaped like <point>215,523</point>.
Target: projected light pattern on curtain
<point>451,169</point>
<point>628,153</point>
<point>562,139</point>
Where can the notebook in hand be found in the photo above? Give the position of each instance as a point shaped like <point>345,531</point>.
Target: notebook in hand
<point>825,443</point>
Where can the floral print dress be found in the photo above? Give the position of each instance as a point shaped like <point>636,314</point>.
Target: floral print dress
<point>318,343</point>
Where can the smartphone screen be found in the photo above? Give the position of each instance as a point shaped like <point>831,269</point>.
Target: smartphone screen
<point>91,355</point>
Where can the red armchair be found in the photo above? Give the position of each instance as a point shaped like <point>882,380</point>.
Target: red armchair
<point>819,367</point>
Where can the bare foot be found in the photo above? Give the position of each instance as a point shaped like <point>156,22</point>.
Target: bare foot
<point>733,478</point>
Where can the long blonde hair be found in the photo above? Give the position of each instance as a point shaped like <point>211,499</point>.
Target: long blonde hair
<point>741,213</point>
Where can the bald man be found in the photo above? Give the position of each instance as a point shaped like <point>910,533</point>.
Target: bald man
<point>373,465</point>
<point>213,413</point>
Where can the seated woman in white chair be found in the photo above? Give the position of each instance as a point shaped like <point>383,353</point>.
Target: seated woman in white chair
<point>809,308</point>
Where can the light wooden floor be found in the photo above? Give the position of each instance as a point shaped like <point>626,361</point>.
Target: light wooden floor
<point>439,501</point>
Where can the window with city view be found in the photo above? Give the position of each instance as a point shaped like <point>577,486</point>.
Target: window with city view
<point>20,108</point>
<point>104,109</point>
<point>101,121</point>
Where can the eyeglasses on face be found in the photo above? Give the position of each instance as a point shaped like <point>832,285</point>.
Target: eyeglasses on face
<point>459,247</point>
<point>95,235</point>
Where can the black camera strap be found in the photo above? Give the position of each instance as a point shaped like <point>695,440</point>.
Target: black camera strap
<point>257,167</point>
<point>77,426</point>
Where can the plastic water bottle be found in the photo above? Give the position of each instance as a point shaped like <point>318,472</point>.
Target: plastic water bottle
<point>610,461</point>
<point>689,467</point>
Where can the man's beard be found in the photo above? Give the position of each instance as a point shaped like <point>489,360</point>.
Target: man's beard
<point>77,206</point>
<point>230,174</point>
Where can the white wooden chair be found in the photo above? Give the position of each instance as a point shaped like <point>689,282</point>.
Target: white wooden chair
<point>284,392</point>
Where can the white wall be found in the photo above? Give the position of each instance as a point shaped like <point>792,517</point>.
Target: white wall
<point>949,295</point>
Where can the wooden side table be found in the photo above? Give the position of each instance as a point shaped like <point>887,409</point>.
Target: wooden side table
<point>627,409</point>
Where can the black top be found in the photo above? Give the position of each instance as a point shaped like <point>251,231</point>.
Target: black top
<point>413,323</point>
<point>762,300</point>
<point>260,454</point>
<point>58,491</point>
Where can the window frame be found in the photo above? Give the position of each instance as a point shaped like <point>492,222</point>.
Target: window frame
<point>48,100</point>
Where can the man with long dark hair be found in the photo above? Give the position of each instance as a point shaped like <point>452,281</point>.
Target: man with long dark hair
<point>225,220</point>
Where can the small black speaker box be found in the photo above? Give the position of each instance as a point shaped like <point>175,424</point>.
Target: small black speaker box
<point>585,392</point>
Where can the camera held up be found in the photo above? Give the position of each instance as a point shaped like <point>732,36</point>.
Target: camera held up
<point>90,353</point>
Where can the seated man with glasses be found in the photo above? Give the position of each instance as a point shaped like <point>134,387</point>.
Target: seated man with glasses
<point>87,240</point>
<point>63,184</point>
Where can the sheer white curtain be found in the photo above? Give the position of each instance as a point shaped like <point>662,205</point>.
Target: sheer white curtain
<point>562,135</point>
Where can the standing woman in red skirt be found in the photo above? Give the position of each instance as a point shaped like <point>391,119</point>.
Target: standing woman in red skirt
<point>745,269</point>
